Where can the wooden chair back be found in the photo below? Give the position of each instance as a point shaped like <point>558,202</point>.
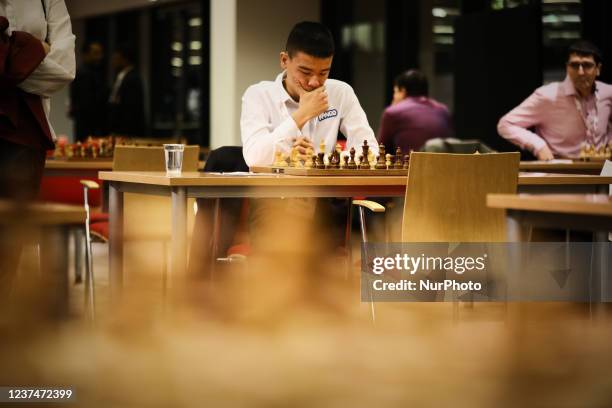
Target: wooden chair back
<point>446,196</point>
<point>151,158</point>
<point>147,218</point>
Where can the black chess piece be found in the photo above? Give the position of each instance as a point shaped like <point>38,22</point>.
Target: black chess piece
<point>351,164</point>
<point>346,162</point>
<point>334,160</point>
<point>397,164</point>
<point>380,163</point>
<point>364,163</point>
<point>406,161</point>
<point>321,160</point>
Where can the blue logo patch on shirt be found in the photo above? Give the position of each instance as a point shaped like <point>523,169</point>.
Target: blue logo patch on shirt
<point>328,114</point>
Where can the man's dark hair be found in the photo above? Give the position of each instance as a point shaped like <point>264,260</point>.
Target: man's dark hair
<point>585,49</point>
<point>127,51</point>
<point>414,82</point>
<point>310,38</point>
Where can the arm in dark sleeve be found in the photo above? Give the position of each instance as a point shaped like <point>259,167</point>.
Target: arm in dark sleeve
<point>20,55</point>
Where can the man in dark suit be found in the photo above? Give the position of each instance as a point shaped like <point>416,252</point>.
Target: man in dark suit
<point>88,94</point>
<point>126,102</point>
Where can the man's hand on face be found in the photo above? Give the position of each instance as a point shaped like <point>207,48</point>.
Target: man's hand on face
<point>312,104</point>
<point>302,144</point>
<point>544,154</point>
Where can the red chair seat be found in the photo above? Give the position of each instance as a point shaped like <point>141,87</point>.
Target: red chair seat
<point>67,190</point>
<point>100,230</point>
<point>239,249</point>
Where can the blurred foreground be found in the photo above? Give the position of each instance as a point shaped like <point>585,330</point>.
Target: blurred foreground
<point>287,329</point>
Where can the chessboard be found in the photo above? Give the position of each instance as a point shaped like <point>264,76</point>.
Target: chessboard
<point>338,164</point>
<point>303,171</point>
<point>592,153</point>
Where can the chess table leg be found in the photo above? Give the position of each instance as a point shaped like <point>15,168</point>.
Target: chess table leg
<point>115,239</point>
<point>349,239</point>
<point>179,233</point>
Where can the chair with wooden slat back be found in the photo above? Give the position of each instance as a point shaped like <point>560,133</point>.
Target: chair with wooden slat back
<point>151,158</point>
<point>148,217</point>
<point>446,196</point>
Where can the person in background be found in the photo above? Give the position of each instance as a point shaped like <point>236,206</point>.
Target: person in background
<point>564,115</point>
<point>126,101</point>
<point>36,60</point>
<point>88,94</point>
<point>413,117</point>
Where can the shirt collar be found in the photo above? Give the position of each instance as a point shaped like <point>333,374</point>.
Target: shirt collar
<point>280,89</point>
<point>568,87</point>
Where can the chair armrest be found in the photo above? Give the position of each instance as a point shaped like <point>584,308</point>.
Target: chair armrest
<point>370,205</point>
<point>90,184</point>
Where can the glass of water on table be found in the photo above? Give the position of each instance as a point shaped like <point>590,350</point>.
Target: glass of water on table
<point>174,159</point>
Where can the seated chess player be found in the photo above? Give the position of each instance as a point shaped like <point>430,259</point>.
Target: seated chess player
<point>300,109</point>
<point>564,115</point>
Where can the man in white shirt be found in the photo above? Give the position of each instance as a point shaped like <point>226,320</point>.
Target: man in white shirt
<point>302,107</point>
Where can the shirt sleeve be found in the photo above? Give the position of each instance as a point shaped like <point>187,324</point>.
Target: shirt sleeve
<point>259,138</point>
<point>354,124</point>
<point>514,125</point>
<point>58,67</point>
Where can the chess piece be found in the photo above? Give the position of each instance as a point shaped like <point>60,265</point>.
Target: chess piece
<point>344,164</point>
<point>294,157</point>
<point>322,147</point>
<point>380,163</point>
<point>279,160</point>
<point>406,161</point>
<point>310,161</point>
<point>339,148</point>
<point>397,164</point>
<point>351,165</point>
<point>334,160</point>
<point>321,160</point>
<point>583,151</point>
<point>388,160</point>
<point>363,159</point>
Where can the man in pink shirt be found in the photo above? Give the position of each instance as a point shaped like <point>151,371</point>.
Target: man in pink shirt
<point>564,115</point>
<point>413,117</point>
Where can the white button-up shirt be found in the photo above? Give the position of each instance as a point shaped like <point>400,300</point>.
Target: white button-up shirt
<point>58,68</point>
<point>266,124</point>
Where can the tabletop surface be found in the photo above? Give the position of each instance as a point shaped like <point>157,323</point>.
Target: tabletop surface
<point>590,204</point>
<point>245,179</point>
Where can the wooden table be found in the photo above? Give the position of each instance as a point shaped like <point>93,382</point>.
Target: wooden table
<point>267,185</point>
<point>590,212</point>
<point>578,167</point>
<point>52,222</point>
